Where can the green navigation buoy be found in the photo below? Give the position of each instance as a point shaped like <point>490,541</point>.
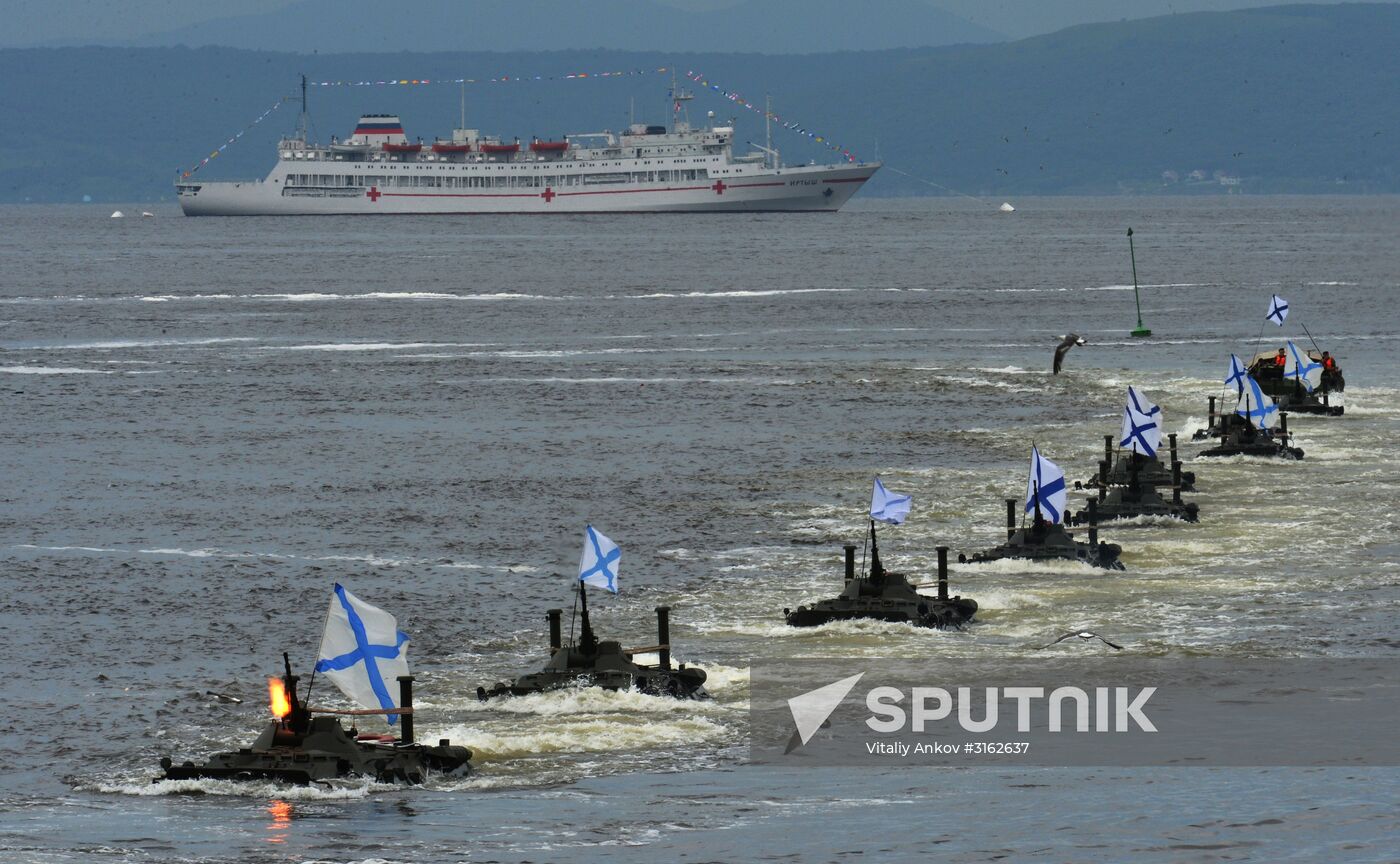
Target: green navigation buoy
<point>1139,330</point>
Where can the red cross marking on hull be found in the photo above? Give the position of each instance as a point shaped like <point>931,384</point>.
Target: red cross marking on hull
<point>373,194</point>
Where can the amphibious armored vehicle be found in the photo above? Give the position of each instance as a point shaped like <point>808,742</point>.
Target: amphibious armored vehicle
<point>1131,496</point>
<point>1043,540</point>
<point>590,662</point>
<point>1290,394</point>
<point>1239,437</point>
<point>298,747</point>
<point>1148,470</point>
<point>886,596</point>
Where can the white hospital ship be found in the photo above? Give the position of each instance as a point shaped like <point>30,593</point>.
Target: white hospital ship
<point>378,170</point>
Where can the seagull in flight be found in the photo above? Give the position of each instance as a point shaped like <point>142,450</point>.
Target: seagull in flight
<point>1068,341</point>
<point>1086,636</point>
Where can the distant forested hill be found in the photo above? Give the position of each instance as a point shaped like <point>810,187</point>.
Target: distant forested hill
<point>1285,99</point>
<point>748,26</point>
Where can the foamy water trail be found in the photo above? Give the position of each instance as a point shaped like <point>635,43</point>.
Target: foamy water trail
<point>581,735</point>
<point>372,346</point>
<point>340,790</point>
<point>318,297</point>
<point>366,559</point>
<point>122,344</point>
<point>1154,285</point>
<point>53,370</point>
<point>619,380</point>
<point>720,295</point>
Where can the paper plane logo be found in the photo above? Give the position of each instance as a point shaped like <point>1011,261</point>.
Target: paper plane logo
<point>811,710</point>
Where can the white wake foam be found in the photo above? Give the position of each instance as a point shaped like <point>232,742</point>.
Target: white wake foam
<point>52,370</point>
<point>580,734</point>
<point>117,344</point>
<point>753,292</point>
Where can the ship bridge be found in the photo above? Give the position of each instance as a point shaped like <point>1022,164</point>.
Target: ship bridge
<point>378,129</point>
<point>641,141</point>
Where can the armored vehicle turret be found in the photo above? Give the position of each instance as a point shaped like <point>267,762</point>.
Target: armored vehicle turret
<point>1044,540</point>
<point>1148,470</point>
<point>883,595</point>
<point>1240,436</point>
<point>1133,496</point>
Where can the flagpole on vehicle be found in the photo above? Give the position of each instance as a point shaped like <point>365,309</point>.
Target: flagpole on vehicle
<point>1311,339</point>
<point>1260,338</point>
<point>874,551</point>
<point>310,683</point>
<point>1035,453</point>
<point>573,613</point>
<point>587,642</point>
<point>864,545</point>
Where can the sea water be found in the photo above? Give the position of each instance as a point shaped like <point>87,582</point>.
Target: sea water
<point>208,422</point>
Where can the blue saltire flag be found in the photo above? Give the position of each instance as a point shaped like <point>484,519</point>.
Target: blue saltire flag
<point>363,652</point>
<point>886,506</point>
<point>1237,375</point>
<point>597,566</point>
<point>1300,367</point>
<point>1278,310</point>
<point>1257,407</point>
<point>1142,425</point>
<point>1047,486</point>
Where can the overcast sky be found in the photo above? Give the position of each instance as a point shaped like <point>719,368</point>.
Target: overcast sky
<point>29,22</point>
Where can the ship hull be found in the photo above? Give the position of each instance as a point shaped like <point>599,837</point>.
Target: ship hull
<point>802,189</point>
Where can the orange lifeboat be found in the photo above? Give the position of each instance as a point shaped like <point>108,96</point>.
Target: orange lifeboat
<point>500,148</point>
<point>402,148</point>
<point>448,149</point>
<point>549,146</point>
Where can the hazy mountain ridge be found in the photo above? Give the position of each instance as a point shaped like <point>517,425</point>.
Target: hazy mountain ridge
<point>1281,99</point>
<point>754,26</point>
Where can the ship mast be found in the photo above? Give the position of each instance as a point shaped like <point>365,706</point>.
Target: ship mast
<point>678,99</point>
<point>768,129</point>
<point>302,119</point>
<point>771,158</point>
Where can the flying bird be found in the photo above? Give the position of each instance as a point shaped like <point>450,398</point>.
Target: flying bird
<point>1069,341</point>
<point>1086,636</point>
